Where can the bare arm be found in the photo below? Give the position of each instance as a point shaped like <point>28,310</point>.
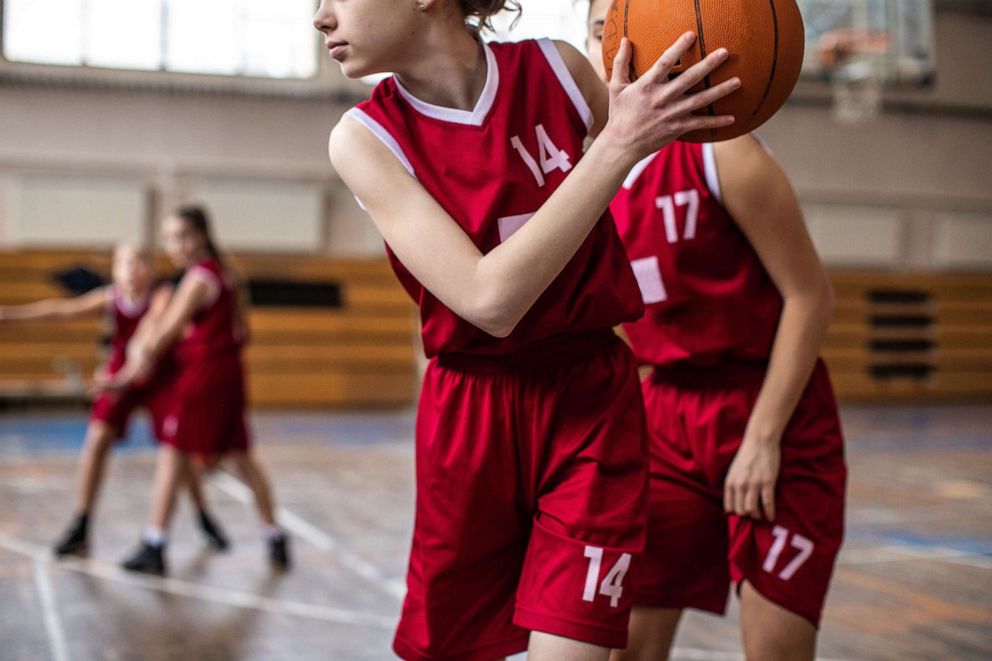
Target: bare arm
<point>593,89</point>
<point>156,308</point>
<point>59,309</point>
<point>494,291</point>
<point>759,197</point>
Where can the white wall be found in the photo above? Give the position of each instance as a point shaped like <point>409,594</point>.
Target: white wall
<point>909,190</point>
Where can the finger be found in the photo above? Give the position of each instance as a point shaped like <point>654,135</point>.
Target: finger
<point>702,123</point>
<point>768,502</point>
<point>697,72</point>
<point>728,498</point>
<point>663,65</point>
<point>692,102</point>
<point>751,507</point>
<point>621,63</point>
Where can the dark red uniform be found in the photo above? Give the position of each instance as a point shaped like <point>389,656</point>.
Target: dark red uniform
<point>530,450</point>
<point>115,409</point>
<point>712,313</point>
<point>208,405</point>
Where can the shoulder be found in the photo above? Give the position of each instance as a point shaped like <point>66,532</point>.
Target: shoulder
<point>745,164</point>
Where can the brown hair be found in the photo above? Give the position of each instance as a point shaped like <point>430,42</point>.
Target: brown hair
<point>481,12</point>
<point>197,218</point>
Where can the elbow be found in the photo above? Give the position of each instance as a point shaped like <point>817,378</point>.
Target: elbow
<point>494,316</point>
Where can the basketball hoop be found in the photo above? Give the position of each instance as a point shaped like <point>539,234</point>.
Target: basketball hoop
<point>856,61</point>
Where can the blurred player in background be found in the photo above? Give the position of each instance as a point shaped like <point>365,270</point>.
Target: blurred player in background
<point>133,299</point>
<point>204,326</point>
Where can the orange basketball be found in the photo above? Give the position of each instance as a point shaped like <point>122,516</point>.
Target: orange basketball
<point>765,39</point>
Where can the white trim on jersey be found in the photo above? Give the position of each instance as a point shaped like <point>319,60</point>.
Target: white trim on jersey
<point>380,132</point>
<point>637,171</point>
<point>709,169</point>
<point>474,117</point>
<point>567,82</point>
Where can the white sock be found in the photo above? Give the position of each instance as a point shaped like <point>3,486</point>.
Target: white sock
<point>154,536</point>
<point>272,532</point>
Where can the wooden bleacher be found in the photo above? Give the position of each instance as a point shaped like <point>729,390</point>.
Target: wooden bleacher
<point>359,355</point>
<point>895,337</point>
<point>911,336</point>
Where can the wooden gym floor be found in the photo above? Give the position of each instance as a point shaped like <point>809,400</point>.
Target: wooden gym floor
<point>914,580</point>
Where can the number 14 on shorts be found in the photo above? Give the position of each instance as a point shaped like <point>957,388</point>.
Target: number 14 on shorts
<point>612,584</point>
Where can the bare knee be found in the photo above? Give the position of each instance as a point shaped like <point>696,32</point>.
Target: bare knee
<point>99,437</point>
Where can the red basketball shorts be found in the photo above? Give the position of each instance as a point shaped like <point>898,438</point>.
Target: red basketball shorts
<point>207,409</point>
<point>115,410</point>
<point>695,550</point>
<point>531,491</point>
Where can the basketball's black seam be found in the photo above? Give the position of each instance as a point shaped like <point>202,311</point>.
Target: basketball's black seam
<point>702,56</point>
<point>626,14</point>
<point>771,75</point>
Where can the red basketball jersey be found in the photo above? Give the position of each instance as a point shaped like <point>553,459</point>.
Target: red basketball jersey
<point>216,328</point>
<point>491,169</point>
<point>125,315</point>
<point>709,300</point>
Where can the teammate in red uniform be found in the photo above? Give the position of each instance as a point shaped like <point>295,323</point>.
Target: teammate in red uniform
<point>531,471</point>
<point>747,467</point>
<point>205,418</point>
<point>132,297</point>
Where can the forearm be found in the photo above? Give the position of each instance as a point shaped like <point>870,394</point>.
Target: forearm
<point>802,328</point>
<point>518,271</point>
<point>49,310</point>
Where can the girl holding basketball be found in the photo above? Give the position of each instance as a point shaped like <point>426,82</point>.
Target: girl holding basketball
<point>205,418</point>
<point>530,460</point>
<point>747,473</point>
<point>132,299</point>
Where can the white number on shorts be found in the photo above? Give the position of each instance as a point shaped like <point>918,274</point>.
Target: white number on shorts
<point>804,545</point>
<point>612,585</point>
<point>686,198</point>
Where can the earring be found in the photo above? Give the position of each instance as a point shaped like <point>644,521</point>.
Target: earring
<point>421,6</point>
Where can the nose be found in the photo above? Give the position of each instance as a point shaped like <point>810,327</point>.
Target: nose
<point>324,20</point>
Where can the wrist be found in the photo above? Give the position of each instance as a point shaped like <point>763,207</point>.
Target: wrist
<point>612,146</point>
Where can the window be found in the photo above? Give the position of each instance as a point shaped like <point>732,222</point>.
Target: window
<point>557,19</point>
<point>260,38</point>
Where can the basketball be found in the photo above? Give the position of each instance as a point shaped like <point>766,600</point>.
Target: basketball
<point>765,39</point>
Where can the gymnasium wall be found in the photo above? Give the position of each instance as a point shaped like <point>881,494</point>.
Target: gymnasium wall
<point>85,165</point>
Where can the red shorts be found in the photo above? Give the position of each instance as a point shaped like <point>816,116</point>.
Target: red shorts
<point>531,490</point>
<point>695,550</point>
<point>207,409</point>
<point>115,410</point>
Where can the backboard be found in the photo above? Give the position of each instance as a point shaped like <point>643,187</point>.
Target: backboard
<point>895,38</point>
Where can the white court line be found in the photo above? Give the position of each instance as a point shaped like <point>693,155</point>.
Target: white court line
<point>317,537</point>
<point>97,569</point>
<point>53,624</point>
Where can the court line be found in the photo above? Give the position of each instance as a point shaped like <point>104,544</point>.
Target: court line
<point>41,558</point>
<point>53,623</point>
<point>302,528</point>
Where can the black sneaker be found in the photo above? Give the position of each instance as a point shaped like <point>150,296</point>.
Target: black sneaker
<point>279,552</point>
<point>213,533</point>
<point>147,559</point>
<point>73,541</point>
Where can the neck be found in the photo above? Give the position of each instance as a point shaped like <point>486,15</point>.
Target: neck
<point>451,72</point>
